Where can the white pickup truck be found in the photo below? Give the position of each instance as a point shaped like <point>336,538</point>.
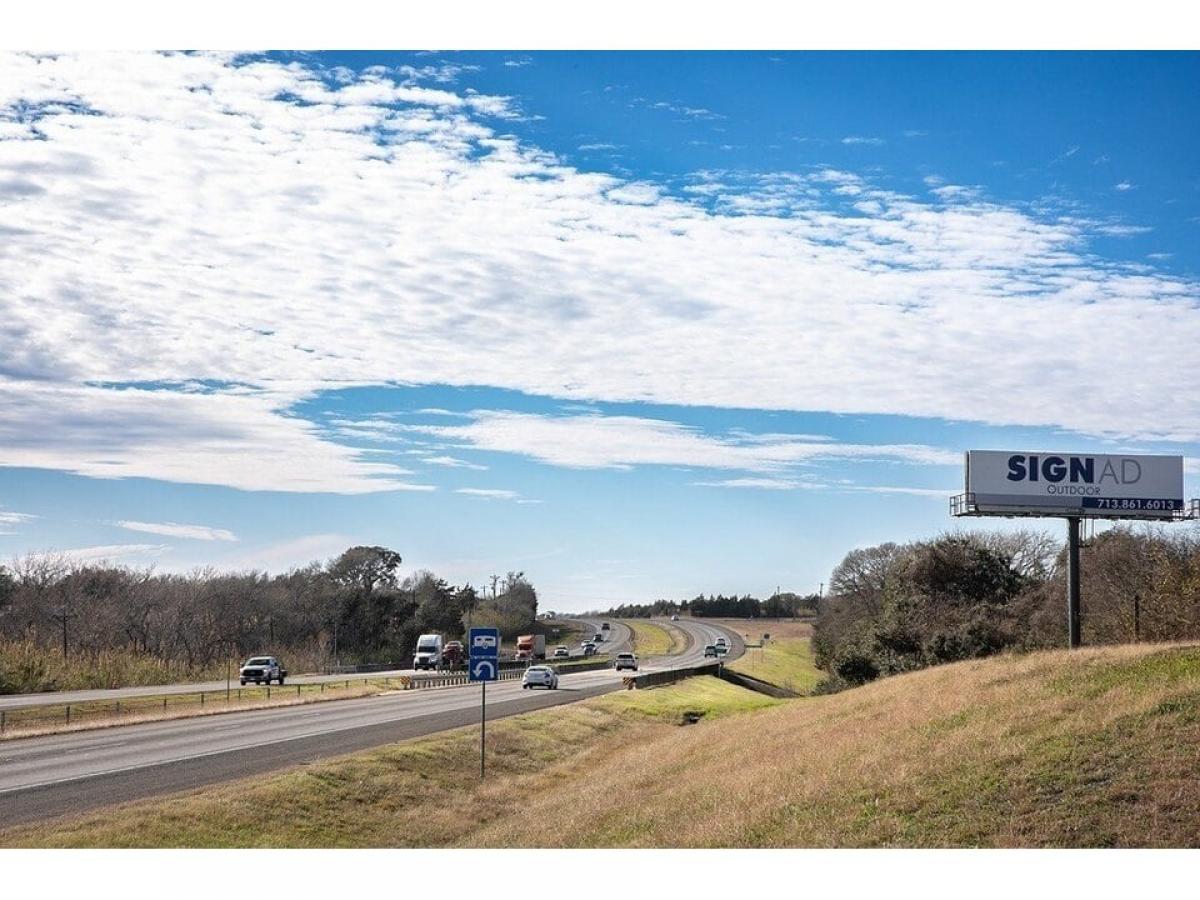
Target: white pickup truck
<point>260,669</point>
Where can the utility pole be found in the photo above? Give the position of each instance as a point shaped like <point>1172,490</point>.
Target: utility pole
<point>1074,627</point>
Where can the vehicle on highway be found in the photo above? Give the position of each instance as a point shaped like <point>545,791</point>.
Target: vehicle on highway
<point>626,661</point>
<point>429,652</point>
<point>722,649</point>
<point>604,627</point>
<point>454,655</point>
<point>599,637</point>
<point>561,652</point>
<point>260,669</point>
<point>710,650</point>
<point>589,649</point>
<point>721,642</point>
<point>540,676</point>
<point>531,646</point>
<point>674,617</point>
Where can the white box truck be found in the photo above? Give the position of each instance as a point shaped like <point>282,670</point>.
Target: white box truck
<point>429,652</point>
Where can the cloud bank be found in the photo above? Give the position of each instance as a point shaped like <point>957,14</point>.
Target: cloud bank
<point>271,229</point>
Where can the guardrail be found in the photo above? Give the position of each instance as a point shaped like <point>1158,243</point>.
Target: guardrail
<point>754,684</point>
<point>67,715</point>
<point>669,676</point>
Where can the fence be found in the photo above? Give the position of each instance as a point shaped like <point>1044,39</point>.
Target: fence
<point>61,716</point>
<point>755,684</point>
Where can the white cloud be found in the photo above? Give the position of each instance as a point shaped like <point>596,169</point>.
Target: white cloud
<point>232,437</point>
<point>112,552</point>
<point>452,462</point>
<point>857,139</point>
<point>768,484</point>
<point>293,552</point>
<point>621,442</point>
<point>488,493</point>
<point>173,529</point>
<point>916,492</point>
<point>1123,186</point>
<point>173,218</point>
<point>13,518</point>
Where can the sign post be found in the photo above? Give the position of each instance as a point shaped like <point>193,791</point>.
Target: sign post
<point>1073,486</point>
<point>483,666</point>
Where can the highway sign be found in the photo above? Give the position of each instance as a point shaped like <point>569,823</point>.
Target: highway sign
<point>484,643</point>
<point>484,669</point>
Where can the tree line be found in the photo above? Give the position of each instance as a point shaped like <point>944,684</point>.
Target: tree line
<point>896,607</point>
<point>780,605</point>
<point>355,608</point>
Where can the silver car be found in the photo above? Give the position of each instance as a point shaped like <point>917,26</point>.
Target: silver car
<point>626,661</point>
<point>540,676</point>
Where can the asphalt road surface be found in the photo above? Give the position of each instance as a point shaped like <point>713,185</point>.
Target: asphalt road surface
<point>55,775</point>
<point>619,641</point>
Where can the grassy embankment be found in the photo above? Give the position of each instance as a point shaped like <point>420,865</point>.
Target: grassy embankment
<point>787,662</point>
<point>653,639</point>
<point>1063,749</point>
<point>786,659</point>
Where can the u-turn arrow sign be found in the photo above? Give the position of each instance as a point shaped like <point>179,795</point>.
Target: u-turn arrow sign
<point>483,669</point>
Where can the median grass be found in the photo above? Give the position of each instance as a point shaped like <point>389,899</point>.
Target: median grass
<point>787,662</point>
<point>1090,748</point>
<point>653,639</point>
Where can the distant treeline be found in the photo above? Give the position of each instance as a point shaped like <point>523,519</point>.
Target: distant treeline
<point>896,607</point>
<point>354,608</point>
<point>777,606</point>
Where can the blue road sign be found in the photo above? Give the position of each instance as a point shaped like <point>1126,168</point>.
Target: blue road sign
<point>484,643</point>
<point>484,669</point>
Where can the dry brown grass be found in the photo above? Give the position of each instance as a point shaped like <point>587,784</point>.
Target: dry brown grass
<point>752,630</point>
<point>1091,748</point>
<point>1084,749</point>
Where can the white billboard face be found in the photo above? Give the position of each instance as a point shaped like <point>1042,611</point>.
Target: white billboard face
<point>1075,483</point>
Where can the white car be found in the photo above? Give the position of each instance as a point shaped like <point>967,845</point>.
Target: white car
<point>561,652</point>
<point>262,668</point>
<point>721,642</point>
<point>721,650</point>
<point>626,661</point>
<point>540,676</point>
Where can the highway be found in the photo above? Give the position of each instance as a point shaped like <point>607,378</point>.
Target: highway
<point>54,775</point>
<point>620,641</point>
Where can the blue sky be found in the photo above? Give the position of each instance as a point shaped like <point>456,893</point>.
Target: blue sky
<point>638,324</point>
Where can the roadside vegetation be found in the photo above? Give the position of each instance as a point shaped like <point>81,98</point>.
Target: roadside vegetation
<point>781,604</point>
<point>653,639</point>
<point>899,607</point>
<point>1090,748</point>
<point>786,662</point>
<point>70,625</point>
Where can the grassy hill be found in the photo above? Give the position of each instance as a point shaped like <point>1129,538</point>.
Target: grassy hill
<point>1092,748</point>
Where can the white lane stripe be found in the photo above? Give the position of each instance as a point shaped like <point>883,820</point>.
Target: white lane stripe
<point>207,753</point>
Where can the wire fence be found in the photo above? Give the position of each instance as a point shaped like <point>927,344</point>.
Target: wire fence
<point>65,716</point>
<point>69,715</point>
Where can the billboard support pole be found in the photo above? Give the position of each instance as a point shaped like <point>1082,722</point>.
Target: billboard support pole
<point>1073,624</point>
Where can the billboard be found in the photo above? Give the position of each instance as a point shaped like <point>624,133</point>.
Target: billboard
<point>1076,484</point>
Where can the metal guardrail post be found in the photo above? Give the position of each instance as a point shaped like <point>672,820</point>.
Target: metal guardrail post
<point>68,713</point>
